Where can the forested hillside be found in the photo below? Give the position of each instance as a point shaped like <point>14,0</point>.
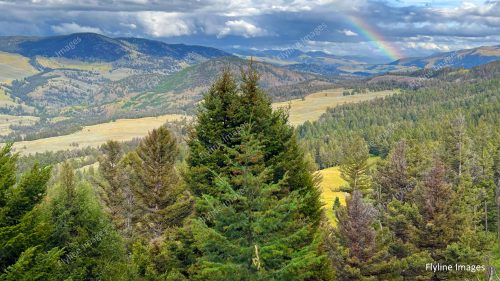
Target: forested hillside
<point>238,198</point>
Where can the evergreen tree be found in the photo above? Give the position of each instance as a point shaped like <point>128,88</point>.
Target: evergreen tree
<point>255,235</point>
<point>115,183</point>
<point>92,248</point>
<point>7,172</point>
<point>17,204</point>
<point>392,179</point>
<point>354,167</point>
<point>162,198</point>
<point>357,250</point>
<point>222,118</point>
<point>456,147</point>
<point>435,201</point>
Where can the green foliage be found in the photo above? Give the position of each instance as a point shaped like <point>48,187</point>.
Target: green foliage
<point>255,195</point>
<point>164,201</point>
<point>92,248</point>
<point>17,201</point>
<point>354,167</point>
<point>336,203</point>
<point>34,264</point>
<point>357,250</point>
<point>254,234</point>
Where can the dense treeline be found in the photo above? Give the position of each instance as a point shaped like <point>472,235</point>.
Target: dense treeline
<point>419,115</point>
<point>433,197</point>
<point>243,202</point>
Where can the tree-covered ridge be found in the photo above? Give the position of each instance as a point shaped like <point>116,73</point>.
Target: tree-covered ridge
<point>432,199</point>
<point>414,114</point>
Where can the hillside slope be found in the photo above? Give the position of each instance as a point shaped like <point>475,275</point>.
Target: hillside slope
<point>463,58</point>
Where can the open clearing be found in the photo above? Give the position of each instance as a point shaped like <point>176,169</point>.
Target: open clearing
<point>95,135</point>
<point>314,105</point>
<point>7,120</point>
<point>330,186</point>
<point>73,64</point>
<point>5,100</point>
<point>329,190</point>
<point>13,66</point>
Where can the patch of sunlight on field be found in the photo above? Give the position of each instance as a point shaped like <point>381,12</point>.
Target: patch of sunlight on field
<point>329,187</point>
<point>95,135</point>
<point>7,120</point>
<point>14,66</point>
<point>5,99</point>
<point>73,64</point>
<point>314,105</point>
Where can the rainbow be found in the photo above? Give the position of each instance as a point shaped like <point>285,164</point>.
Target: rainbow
<point>374,36</point>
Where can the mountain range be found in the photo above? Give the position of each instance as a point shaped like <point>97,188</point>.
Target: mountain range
<point>91,74</point>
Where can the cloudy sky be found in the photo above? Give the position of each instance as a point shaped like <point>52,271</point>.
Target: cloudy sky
<point>383,28</point>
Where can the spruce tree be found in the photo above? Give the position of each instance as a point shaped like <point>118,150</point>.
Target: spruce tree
<point>224,115</point>
<point>392,179</point>
<point>354,167</point>
<point>163,199</point>
<point>115,183</point>
<point>7,172</point>
<point>254,234</point>
<point>92,249</point>
<point>17,203</point>
<point>357,250</point>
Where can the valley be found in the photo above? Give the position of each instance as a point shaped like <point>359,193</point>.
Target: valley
<point>300,110</point>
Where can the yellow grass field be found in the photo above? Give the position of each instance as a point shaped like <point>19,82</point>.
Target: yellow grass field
<point>73,64</point>
<point>329,190</point>
<point>95,135</point>
<point>7,120</point>
<point>5,100</point>
<point>14,66</point>
<point>314,105</point>
<point>330,184</point>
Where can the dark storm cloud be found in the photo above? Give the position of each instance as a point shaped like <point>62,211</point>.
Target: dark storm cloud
<point>414,27</point>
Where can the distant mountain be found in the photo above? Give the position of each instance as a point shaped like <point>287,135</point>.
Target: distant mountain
<point>95,47</point>
<point>298,56</point>
<point>319,62</point>
<point>462,58</point>
<point>183,89</point>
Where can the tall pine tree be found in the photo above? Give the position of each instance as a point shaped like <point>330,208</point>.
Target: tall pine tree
<point>163,199</point>
<point>230,121</point>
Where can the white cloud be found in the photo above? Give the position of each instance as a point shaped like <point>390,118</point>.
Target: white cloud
<point>165,24</point>
<point>241,28</point>
<point>66,28</point>
<point>430,46</point>
<point>128,25</point>
<point>348,32</point>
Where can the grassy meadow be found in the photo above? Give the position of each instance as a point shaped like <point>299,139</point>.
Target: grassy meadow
<point>7,120</point>
<point>73,64</point>
<point>314,105</point>
<point>13,66</point>
<point>329,186</point>
<point>95,135</point>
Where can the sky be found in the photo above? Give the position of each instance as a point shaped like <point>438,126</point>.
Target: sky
<point>384,28</point>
